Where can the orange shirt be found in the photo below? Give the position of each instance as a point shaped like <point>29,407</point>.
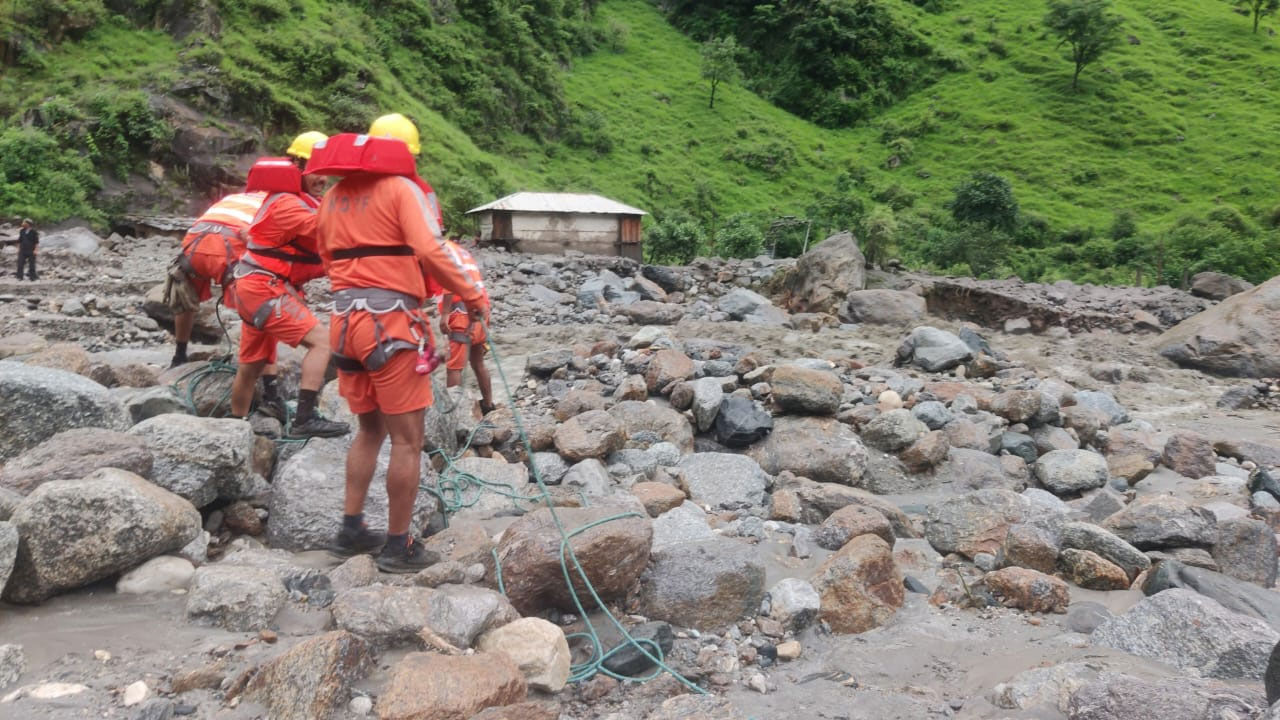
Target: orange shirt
<point>468,263</point>
<point>285,227</point>
<point>389,211</point>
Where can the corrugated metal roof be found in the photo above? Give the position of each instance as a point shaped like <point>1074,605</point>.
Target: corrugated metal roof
<point>559,203</point>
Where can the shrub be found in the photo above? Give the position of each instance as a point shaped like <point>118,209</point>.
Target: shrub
<point>772,157</point>
<point>1125,225</point>
<point>741,237</point>
<point>676,238</point>
<point>986,199</point>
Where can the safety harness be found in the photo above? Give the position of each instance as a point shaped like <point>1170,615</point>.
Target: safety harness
<point>377,302</point>
<point>296,254</point>
<point>203,230</point>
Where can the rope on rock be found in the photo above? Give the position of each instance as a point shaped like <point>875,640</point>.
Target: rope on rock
<point>595,663</point>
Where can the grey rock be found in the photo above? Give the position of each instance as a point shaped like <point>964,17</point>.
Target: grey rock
<point>883,307</point>
<point>1246,550</point>
<point>1048,438</point>
<point>624,658</point>
<point>686,523</point>
<point>9,502</point>
<point>236,598</point>
<point>707,398</point>
<point>1163,521</point>
<point>1236,595</point>
<point>665,454</point>
<point>146,403</point>
<point>806,391</point>
<point>1019,445</point>
<point>1085,617</point>
<point>932,413</point>
<point>551,467</point>
<point>933,350</point>
<point>72,454</point>
<point>820,449</point>
<point>13,662</point>
<point>704,584</point>
<point>590,478</point>
<point>542,364</point>
<point>390,616</point>
<point>8,555</point>
<point>1046,500</point>
<point>200,459</point>
<point>1218,286</point>
<point>740,302</point>
<point>132,521</point>
<point>1042,686</point>
<point>725,481</point>
<point>1065,472</point>
<point>306,496</point>
<point>794,603</point>
<point>1100,504</point>
<point>646,424</point>
<point>1187,630</point>
<point>975,522</point>
<point>1102,402</point>
<point>740,422</point>
<point>974,470</point>
<point>40,402</point>
<point>1086,536</point>
<point>1114,696</point>
<point>894,430</point>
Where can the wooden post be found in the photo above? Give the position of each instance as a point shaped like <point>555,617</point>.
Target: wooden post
<point>1138,279</point>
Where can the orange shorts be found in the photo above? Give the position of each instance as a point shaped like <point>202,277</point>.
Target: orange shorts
<point>396,387</point>
<point>285,316</point>
<point>207,253</point>
<point>460,325</point>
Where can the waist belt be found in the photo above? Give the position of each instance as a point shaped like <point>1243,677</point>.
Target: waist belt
<point>373,251</point>
<point>376,302</point>
<point>213,227</point>
<point>302,258</point>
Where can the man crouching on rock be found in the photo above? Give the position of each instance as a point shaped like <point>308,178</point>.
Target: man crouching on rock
<point>381,244</point>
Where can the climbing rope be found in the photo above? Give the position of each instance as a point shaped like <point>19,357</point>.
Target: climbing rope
<point>595,663</point>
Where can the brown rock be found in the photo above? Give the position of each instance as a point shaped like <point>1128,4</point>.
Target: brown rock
<point>1190,455</point>
<point>1017,406</point>
<point>860,586</point>
<point>696,707</point>
<point>806,391</point>
<point>312,680</point>
<point>849,522</point>
<point>1267,455</point>
<point>208,677</point>
<point>1091,571</point>
<point>135,375</point>
<point>926,453</point>
<point>241,517</point>
<point>74,454</point>
<point>948,390</point>
<point>1125,441</point>
<point>647,423</point>
<point>593,434</point>
<point>425,686</point>
<point>612,554</point>
<point>665,367</point>
<point>1085,421</point>
<point>657,497</point>
<point>1029,590</point>
<point>357,571</point>
<point>63,356</point>
<point>632,388</point>
<point>1133,468</point>
<point>786,506</point>
<point>1031,546</point>
<point>544,710</point>
<point>576,402</point>
<point>264,455</point>
<point>819,500</point>
<point>966,434</point>
<point>681,397</point>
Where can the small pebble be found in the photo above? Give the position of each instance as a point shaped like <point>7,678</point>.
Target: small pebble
<point>268,636</point>
<point>758,684</point>
<point>789,650</point>
<point>101,655</point>
<point>360,705</point>
<point>135,694</point>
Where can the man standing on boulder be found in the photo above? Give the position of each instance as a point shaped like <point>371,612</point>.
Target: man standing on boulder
<point>28,239</point>
<point>279,258</point>
<point>382,246</point>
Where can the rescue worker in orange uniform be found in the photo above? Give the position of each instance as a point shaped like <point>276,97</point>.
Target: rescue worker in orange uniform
<point>381,242</point>
<point>279,258</point>
<point>467,339</point>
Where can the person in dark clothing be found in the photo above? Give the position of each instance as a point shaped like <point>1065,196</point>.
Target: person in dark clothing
<point>28,238</point>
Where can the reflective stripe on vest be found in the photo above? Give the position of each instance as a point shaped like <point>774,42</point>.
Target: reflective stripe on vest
<point>236,211</point>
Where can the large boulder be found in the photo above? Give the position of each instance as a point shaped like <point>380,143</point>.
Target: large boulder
<point>592,434</point>
<point>823,277</point>
<point>1218,286</point>
<point>39,402</point>
<point>1029,590</point>
<point>1236,595</point>
<point>1239,337</point>
<point>124,521</point>
<point>1115,696</point>
<point>72,454</point>
<point>665,367</point>
<point>390,616</point>
<point>1163,521</point>
<point>612,555</point>
<point>743,304</point>
<point>860,586</point>
<point>820,449</point>
<point>1105,544</point>
<point>312,679</point>
<point>704,585</point>
<point>647,423</point>
<point>538,647</point>
<point>1187,630</point>
<point>1246,549</point>
<point>308,490</point>
<point>78,240</point>
<point>1067,472</point>
<point>238,598</point>
<point>883,307</point>
<point>977,522</point>
<point>894,431</point>
<point>1190,455</point>
<point>806,391</point>
<point>201,459</point>
<point>723,480</point>
<point>933,350</point>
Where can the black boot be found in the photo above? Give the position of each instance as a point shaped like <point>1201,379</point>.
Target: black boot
<point>405,556</point>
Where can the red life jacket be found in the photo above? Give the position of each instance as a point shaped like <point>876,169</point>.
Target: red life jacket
<point>349,153</point>
<point>282,236</point>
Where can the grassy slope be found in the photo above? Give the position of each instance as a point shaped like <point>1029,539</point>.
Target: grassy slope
<point>1167,127</point>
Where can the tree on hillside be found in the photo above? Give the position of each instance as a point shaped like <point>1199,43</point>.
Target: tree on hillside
<point>985,199</point>
<point>1258,8</point>
<point>720,63</point>
<point>1087,26</point>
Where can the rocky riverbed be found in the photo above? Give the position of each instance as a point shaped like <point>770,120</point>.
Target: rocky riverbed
<point>842,494</point>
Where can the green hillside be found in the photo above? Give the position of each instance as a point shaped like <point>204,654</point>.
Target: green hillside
<point>1171,129</point>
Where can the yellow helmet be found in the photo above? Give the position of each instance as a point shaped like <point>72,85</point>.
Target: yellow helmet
<point>301,145</point>
<point>399,127</point>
